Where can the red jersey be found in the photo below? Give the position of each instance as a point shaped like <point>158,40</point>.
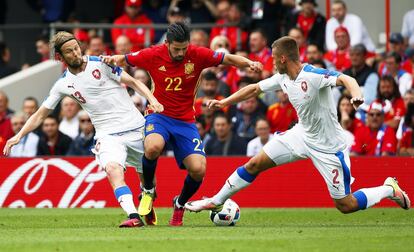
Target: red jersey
<point>397,111</point>
<point>136,35</point>
<point>281,117</point>
<point>175,83</point>
<point>340,59</point>
<point>369,142</point>
<point>407,139</point>
<point>306,23</point>
<point>231,34</point>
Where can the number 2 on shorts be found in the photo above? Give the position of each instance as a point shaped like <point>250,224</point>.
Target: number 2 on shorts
<point>198,143</point>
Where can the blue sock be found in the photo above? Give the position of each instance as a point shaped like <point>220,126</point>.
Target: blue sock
<point>189,189</point>
<point>362,199</point>
<point>245,175</point>
<point>148,167</point>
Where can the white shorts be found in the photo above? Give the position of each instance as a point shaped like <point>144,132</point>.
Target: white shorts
<point>122,148</point>
<point>334,167</point>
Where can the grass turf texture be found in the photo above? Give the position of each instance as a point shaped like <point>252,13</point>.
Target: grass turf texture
<point>258,230</point>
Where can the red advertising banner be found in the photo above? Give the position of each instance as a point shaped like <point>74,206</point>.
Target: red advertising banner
<point>78,182</point>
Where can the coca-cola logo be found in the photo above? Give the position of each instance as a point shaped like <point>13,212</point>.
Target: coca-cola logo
<point>57,191</point>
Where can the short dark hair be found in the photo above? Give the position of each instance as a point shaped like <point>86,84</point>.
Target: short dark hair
<point>178,32</point>
<point>359,48</point>
<point>43,38</point>
<point>221,115</point>
<point>53,117</point>
<point>394,55</point>
<point>261,31</point>
<point>31,98</point>
<point>209,76</point>
<point>288,47</point>
<point>320,49</point>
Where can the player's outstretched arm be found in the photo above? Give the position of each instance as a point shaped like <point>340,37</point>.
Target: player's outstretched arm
<point>242,62</point>
<point>140,88</point>
<point>115,60</point>
<point>32,123</point>
<point>352,85</point>
<point>245,93</point>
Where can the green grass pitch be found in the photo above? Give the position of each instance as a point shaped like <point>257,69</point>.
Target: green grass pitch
<point>378,229</point>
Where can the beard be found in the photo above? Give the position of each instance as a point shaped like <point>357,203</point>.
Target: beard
<point>178,58</point>
<point>75,63</point>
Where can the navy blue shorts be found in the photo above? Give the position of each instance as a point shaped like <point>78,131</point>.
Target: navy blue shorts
<point>183,137</point>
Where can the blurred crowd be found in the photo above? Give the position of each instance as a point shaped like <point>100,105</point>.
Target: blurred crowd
<point>382,126</point>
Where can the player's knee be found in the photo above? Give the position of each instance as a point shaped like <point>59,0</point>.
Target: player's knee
<point>198,171</point>
<point>345,207</point>
<point>153,151</point>
<point>253,166</point>
<point>113,169</point>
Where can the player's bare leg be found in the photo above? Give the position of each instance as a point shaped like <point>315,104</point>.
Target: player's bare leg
<point>240,179</point>
<point>153,146</point>
<point>123,194</point>
<point>196,167</point>
<point>367,197</point>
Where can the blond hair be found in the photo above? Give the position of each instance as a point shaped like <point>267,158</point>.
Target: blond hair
<point>287,46</point>
<point>59,39</point>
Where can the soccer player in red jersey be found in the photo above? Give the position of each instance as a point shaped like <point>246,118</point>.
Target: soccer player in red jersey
<point>175,68</point>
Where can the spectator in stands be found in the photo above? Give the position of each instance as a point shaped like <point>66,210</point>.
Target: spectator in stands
<point>97,47</point>
<point>84,142</point>
<point>409,97</point>
<point>347,119</point>
<point>356,28</point>
<point>259,51</point>
<point>27,147</point>
<point>364,75</point>
<point>123,45</point>
<point>53,11</point>
<point>397,44</point>
<point>281,115</point>
<point>133,15</point>
<point>6,130</point>
<point>30,105</point>
<point>408,64</point>
<point>245,118</point>
<point>375,138</point>
<point>42,48</point>
<point>224,142</point>
<point>314,53</point>
<point>406,143</point>
<point>53,142</point>
<point>340,56</point>
<point>235,15</point>
<point>393,68</point>
<point>388,90</point>
<point>5,68</point>
<point>69,124</point>
<point>202,129</point>
<point>210,91</point>
<point>262,129</point>
<point>407,29</point>
<point>310,22</point>
<point>297,34</point>
<point>199,37</point>
<point>174,15</point>
<point>198,11</point>
<point>156,10</point>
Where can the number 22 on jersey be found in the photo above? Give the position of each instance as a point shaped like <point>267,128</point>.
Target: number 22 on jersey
<point>173,84</point>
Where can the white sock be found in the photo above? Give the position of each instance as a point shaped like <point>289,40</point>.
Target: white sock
<point>376,194</point>
<point>125,199</point>
<point>233,184</point>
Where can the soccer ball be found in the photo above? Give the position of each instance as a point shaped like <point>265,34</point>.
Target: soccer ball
<point>228,216</point>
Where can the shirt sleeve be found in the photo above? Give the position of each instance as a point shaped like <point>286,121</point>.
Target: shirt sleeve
<point>140,59</point>
<point>54,97</point>
<point>209,58</point>
<point>113,72</point>
<point>370,88</point>
<point>323,77</point>
<point>272,83</point>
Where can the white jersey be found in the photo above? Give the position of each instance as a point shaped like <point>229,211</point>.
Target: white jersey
<point>98,91</point>
<point>311,96</point>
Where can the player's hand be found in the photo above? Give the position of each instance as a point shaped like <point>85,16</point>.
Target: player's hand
<point>12,141</point>
<point>214,104</point>
<point>115,60</point>
<point>156,107</point>
<point>256,66</point>
<point>356,102</point>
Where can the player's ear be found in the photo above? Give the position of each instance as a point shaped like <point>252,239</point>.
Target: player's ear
<point>58,56</point>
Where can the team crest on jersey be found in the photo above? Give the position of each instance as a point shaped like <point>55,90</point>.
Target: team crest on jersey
<point>96,74</point>
<point>304,86</point>
<point>188,68</point>
<point>150,127</point>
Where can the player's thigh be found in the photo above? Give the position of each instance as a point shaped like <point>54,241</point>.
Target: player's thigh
<point>286,148</point>
<point>110,149</point>
<point>335,170</point>
<point>156,133</point>
<point>186,141</point>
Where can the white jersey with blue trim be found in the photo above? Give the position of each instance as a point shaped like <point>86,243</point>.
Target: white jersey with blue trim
<point>97,89</point>
<point>311,96</point>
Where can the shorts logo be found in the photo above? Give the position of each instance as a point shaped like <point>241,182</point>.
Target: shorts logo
<point>188,68</point>
<point>96,74</point>
<point>150,127</point>
<point>304,86</point>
